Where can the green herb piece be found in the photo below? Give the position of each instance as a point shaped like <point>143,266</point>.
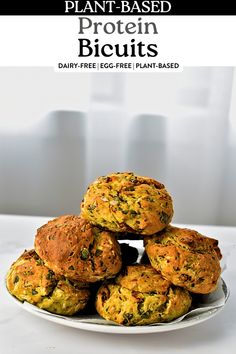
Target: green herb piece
<point>16,279</point>
<point>133,212</point>
<point>39,262</point>
<point>71,267</point>
<point>127,318</point>
<point>91,207</point>
<point>134,179</point>
<point>146,314</point>
<point>130,189</point>
<point>164,218</point>
<point>98,253</point>
<point>150,199</point>
<point>152,293</point>
<point>50,275</point>
<point>84,254</point>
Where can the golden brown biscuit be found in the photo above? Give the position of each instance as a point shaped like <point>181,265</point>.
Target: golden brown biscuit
<point>124,202</point>
<point>186,258</point>
<point>30,280</point>
<point>141,296</point>
<point>71,246</point>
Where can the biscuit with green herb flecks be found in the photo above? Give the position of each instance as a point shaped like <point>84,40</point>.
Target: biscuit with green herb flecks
<point>73,247</point>
<point>141,296</point>
<point>30,280</point>
<point>124,202</point>
<point>186,258</point>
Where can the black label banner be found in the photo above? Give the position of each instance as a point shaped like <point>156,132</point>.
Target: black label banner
<point>118,7</point>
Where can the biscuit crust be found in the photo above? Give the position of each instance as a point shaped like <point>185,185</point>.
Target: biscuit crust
<point>186,258</point>
<point>140,297</point>
<point>71,246</point>
<point>124,202</point>
<point>30,280</point>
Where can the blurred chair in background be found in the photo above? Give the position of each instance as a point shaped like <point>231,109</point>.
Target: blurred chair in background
<point>146,146</point>
<point>43,172</point>
<point>175,128</point>
<point>107,123</point>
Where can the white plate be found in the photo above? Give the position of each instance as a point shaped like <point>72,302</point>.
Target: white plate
<point>210,306</point>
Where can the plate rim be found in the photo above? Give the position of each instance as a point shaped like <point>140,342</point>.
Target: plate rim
<point>116,329</point>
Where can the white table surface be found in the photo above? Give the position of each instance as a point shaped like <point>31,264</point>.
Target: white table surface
<point>22,332</point>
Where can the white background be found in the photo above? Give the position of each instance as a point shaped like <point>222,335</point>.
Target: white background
<point>47,40</point>
<point>59,131</point>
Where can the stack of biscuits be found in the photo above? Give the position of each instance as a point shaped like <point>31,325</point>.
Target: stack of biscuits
<point>75,255</point>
